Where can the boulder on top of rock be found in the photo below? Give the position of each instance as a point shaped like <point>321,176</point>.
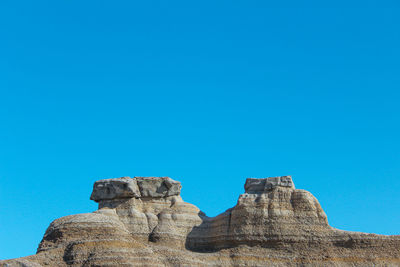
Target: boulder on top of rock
<point>158,187</point>
<point>116,188</point>
<point>263,185</point>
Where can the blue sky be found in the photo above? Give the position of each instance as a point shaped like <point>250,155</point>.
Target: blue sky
<point>208,93</point>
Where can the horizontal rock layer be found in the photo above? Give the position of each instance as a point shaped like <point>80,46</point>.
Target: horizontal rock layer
<point>143,221</point>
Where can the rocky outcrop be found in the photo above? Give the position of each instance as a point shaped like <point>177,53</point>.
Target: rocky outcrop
<point>270,214</point>
<point>118,188</point>
<point>260,186</point>
<point>138,187</point>
<point>143,221</point>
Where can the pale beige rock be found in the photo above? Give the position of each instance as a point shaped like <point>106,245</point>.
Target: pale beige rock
<point>272,224</point>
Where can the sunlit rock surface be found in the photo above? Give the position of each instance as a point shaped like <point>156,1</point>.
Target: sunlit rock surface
<point>143,221</point>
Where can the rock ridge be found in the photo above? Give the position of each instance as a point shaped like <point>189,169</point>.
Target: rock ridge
<point>143,221</point>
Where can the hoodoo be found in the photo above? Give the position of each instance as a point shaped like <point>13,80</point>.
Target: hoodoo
<point>143,221</point>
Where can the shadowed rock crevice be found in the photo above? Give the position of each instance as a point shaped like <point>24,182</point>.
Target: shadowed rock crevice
<point>143,221</point>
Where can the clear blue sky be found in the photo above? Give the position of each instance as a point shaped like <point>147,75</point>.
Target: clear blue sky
<point>208,93</point>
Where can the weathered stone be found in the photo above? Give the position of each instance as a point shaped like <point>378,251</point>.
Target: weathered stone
<point>272,224</point>
<point>158,187</point>
<point>117,188</point>
<point>256,185</point>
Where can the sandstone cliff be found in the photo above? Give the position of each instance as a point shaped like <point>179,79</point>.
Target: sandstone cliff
<point>143,221</point>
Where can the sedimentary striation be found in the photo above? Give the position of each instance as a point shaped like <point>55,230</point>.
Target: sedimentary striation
<point>143,221</point>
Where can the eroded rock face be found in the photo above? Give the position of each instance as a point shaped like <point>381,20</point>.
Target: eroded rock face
<point>156,187</point>
<point>117,188</point>
<point>143,221</point>
<point>263,185</point>
<point>126,187</point>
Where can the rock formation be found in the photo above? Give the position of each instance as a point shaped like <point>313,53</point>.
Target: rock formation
<point>143,221</point>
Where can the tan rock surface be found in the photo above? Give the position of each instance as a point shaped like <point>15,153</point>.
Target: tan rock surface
<point>144,222</point>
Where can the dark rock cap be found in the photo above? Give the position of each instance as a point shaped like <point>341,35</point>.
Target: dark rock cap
<point>126,187</point>
<point>158,186</point>
<point>116,188</point>
<point>263,185</point>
